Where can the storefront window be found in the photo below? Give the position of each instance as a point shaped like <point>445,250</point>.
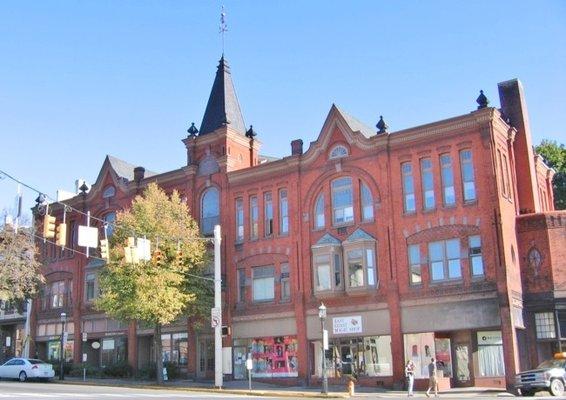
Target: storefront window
<point>274,357</point>
<point>490,354</point>
<point>174,348</point>
<point>360,356</point>
<point>113,351</point>
<point>419,348</point>
<point>53,350</point>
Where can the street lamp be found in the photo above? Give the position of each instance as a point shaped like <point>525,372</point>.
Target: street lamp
<point>322,316</point>
<point>62,349</point>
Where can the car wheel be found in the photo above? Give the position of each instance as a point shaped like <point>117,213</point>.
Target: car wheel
<point>23,376</point>
<point>527,393</point>
<point>556,387</point>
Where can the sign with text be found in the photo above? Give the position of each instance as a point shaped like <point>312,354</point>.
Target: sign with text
<point>344,325</point>
<point>215,317</point>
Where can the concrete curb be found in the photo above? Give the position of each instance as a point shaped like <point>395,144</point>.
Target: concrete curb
<point>242,392</point>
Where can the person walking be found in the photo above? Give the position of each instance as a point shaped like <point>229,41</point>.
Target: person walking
<point>410,374</point>
<point>432,381</point>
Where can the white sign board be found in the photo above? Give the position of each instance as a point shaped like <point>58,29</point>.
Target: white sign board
<point>249,364</point>
<point>325,339</point>
<point>88,236</point>
<point>85,336</point>
<point>215,317</point>
<point>344,325</point>
<point>84,357</point>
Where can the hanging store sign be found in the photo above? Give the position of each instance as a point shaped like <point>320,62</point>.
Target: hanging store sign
<point>344,325</point>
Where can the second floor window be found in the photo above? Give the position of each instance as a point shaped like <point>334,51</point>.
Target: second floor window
<point>239,220</point>
<point>254,218</point>
<point>444,259</point>
<point>468,181</point>
<point>241,285</point>
<point>109,223</point>
<point>268,214</point>
<point>285,282</point>
<point>408,188</point>
<point>263,283</point>
<point>283,213</point>
<point>342,201</point>
<point>90,286</point>
<point>58,292</point>
<point>319,212</point>
<point>367,202</point>
<point>448,193</point>
<point>210,210</point>
<point>427,183</point>
<point>476,260</point>
<point>415,264</point>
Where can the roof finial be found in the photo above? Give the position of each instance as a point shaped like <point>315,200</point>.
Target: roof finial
<point>192,130</point>
<point>251,133</point>
<point>223,27</point>
<point>381,125</point>
<point>482,100</point>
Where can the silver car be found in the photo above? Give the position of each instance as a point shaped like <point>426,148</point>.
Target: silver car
<point>26,368</point>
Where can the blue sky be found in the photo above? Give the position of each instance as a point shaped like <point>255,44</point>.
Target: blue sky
<point>82,79</point>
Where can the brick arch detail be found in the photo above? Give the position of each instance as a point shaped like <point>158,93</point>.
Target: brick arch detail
<point>442,232</point>
<point>262,259</point>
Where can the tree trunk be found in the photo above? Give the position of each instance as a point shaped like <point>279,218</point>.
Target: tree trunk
<point>158,354</point>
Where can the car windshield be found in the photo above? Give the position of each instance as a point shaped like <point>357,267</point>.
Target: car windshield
<point>553,364</point>
<point>34,361</point>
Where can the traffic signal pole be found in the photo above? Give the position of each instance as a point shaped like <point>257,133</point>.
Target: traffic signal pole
<point>218,379</point>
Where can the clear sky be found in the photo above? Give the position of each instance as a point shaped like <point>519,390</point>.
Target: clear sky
<point>82,79</point>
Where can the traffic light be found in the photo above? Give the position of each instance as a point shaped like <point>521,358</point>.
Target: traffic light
<point>48,226</point>
<point>157,258</point>
<point>61,235</point>
<point>179,258</point>
<point>104,249</point>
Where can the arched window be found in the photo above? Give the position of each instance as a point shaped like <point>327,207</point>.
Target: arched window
<point>109,220</point>
<point>319,212</point>
<point>210,210</point>
<point>109,191</point>
<point>534,259</point>
<point>338,152</point>
<point>367,202</point>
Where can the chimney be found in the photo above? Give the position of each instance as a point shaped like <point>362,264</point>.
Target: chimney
<point>139,173</point>
<point>296,147</point>
<point>514,109</point>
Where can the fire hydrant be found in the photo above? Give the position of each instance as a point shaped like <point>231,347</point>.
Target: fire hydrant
<point>351,388</point>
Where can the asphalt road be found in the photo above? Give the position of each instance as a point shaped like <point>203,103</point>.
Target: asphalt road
<point>53,390</point>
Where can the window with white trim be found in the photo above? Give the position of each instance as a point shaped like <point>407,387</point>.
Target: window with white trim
<point>545,326</point>
<point>283,212</point>
<point>360,266</point>
<point>109,191</point>
<point>239,220</point>
<point>408,188</point>
<point>427,181</point>
<point>338,152</point>
<point>467,171</point>
<point>319,212</point>
<point>263,288</point>
<point>447,175</point>
<point>367,202</point>
<point>444,260</point>
<point>342,201</point>
<point>327,268</point>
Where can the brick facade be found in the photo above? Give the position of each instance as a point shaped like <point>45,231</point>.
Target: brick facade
<point>468,289</point>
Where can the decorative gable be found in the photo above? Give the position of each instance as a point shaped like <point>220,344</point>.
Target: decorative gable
<point>327,240</point>
<point>359,234</point>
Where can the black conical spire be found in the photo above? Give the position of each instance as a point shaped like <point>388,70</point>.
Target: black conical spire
<point>482,100</point>
<point>222,107</point>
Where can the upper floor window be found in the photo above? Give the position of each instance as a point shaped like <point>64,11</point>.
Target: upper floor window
<point>283,212</point>
<point>338,151</point>
<point>408,188</point>
<point>210,210</point>
<point>534,259</point>
<point>90,286</point>
<point>447,174</point>
<point>110,223</point>
<point>427,180</point>
<point>327,269</point>
<point>414,253</point>
<point>263,283</point>
<point>468,181</point>
<point>254,218</point>
<point>268,214</point>
<point>342,201</point>
<point>109,191</point>
<point>506,176</point>
<point>285,282</point>
<point>367,202</point>
<point>444,257</point>
<point>476,260</point>
<point>319,212</point>
<point>241,285</point>
<point>360,267</point>
<point>545,327</point>
<point>58,292</point>
<point>239,220</point>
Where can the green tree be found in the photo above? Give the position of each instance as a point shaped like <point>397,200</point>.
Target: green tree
<point>554,155</point>
<point>156,292</point>
<point>20,275</point>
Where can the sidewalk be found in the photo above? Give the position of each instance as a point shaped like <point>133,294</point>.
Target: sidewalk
<point>265,389</point>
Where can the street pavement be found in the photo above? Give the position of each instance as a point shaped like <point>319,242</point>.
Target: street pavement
<point>118,390</point>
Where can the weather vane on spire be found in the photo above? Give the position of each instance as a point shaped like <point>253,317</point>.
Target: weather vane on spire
<point>223,26</point>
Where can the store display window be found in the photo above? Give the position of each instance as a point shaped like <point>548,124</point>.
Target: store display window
<point>274,357</point>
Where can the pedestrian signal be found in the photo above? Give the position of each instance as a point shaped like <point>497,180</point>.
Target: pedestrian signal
<point>104,249</point>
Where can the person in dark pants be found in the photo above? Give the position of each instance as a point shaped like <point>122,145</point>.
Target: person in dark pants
<point>432,381</point>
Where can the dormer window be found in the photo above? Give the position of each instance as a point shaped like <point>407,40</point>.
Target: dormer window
<point>109,191</point>
<point>338,152</point>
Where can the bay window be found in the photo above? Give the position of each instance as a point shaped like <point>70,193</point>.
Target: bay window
<point>327,268</point>
<point>361,265</point>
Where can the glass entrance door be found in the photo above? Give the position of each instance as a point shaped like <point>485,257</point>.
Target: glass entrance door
<point>205,367</point>
<point>463,377</point>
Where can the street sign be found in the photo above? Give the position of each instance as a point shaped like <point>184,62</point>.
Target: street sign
<point>215,317</point>
<point>84,357</point>
<point>85,336</point>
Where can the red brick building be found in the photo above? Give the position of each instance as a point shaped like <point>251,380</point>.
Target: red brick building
<point>435,241</point>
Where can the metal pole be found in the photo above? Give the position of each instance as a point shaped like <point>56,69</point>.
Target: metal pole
<point>324,377</point>
<point>62,350</point>
<point>558,331</point>
<point>217,304</point>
